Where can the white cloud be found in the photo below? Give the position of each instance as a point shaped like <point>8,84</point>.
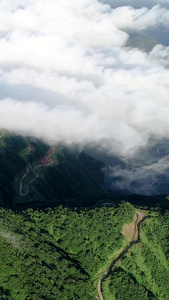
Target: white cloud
<point>139,19</point>
<point>140,179</point>
<point>66,76</point>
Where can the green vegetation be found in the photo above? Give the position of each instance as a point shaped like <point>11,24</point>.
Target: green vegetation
<point>65,252</point>
<point>58,251</point>
<point>144,271</point>
<point>11,164</point>
<point>62,251</point>
<point>39,149</point>
<point>74,179</point>
<point>76,176</point>
<point>73,175</point>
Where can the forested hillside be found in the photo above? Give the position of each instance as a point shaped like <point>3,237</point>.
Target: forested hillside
<point>33,173</point>
<point>58,251</point>
<point>65,252</point>
<point>144,271</point>
<point>60,229</point>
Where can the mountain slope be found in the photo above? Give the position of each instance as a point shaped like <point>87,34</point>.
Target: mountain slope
<point>140,41</point>
<point>31,172</point>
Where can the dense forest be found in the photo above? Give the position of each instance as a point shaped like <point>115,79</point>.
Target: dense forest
<point>58,251</point>
<point>72,174</point>
<point>60,230</point>
<point>144,271</point>
<point>64,252</point>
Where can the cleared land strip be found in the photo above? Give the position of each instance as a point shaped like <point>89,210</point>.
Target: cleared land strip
<point>139,218</point>
<point>36,174</point>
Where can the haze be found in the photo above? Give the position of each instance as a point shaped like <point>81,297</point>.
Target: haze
<point>67,77</point>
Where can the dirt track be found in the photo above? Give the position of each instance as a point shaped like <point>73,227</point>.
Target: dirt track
<point>30,148</point>
<point>36,174</point>
<point>138,219</point>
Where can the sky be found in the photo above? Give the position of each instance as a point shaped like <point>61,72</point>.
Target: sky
<point>136,3</point>
<point>67,77</point>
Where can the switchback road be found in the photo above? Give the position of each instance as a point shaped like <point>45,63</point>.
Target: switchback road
<point>36,174</point>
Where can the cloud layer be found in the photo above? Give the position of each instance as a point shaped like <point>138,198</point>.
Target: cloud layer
<point>66,75</point>
<point>147,179</point>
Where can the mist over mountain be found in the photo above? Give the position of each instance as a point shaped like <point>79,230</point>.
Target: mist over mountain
<point>160,32</point>
<point>147,173</point>
<point>84,149</point>
<point>65,83</point>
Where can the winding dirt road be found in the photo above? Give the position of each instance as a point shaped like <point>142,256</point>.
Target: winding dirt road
<point>30,148</point>
<point>36,174</point>
<point>139,217</point>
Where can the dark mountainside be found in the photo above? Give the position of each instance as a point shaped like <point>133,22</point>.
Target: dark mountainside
<point>60,228</point>
<point>32,174</point>
<point>63,175</point>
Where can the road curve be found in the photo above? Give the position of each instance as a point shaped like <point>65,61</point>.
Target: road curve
<point>36,174</point>
<point>21,184</point>
<point>30,148</point>
<point>133,242</point>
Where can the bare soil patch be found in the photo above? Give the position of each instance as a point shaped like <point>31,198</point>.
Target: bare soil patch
<point>129,230</point>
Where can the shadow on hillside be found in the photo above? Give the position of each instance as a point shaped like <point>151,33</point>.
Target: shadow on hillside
<point>98,200</point>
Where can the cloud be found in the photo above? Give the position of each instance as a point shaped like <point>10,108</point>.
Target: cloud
<point>63,124</point>
<point>147,179</point>
<point>67,77</point>
<point>136,4</point>
<point>143,18</point>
